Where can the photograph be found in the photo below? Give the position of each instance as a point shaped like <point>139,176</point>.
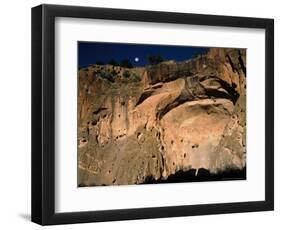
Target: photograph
<point>150,114</point>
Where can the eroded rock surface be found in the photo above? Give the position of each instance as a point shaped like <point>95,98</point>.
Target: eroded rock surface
<point>153,122</point>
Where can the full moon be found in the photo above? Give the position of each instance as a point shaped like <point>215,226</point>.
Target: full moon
<point>137,59</point>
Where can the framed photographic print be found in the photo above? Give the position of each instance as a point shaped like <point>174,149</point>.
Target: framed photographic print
<point>142,114</point>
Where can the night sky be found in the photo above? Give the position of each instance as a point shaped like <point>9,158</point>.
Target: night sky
<point>91,52</point>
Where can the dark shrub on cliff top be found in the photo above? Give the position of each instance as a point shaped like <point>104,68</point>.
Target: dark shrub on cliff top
<point>99,63</point>
<point>113,62</point>
<point>126,63</point>
<point>154,59</point>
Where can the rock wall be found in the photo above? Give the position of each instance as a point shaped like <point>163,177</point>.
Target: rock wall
<point>152,122</point>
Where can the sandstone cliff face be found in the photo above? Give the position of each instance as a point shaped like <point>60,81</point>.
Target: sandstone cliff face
<point>152,122</point>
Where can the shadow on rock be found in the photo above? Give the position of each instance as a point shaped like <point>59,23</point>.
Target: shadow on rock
<point>201,175</point>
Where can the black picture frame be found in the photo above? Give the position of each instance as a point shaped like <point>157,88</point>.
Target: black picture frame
<point>43,114</point>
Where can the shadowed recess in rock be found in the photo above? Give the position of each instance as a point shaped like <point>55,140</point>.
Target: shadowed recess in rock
<point>199,175</point>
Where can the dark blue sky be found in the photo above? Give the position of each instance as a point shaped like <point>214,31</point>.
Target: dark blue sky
<point>91,52</point>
